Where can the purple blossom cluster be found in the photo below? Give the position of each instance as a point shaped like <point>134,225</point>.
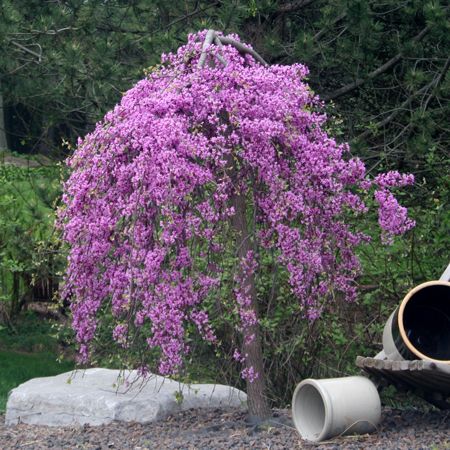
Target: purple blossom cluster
<point>150,191</point>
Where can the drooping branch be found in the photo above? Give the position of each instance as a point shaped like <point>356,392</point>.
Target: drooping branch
<point>243,49</point>
<point>212,37</point>
<point>209,38</point>
<point>383,68</point>
<point>220,57</point>
<point>198,203</point>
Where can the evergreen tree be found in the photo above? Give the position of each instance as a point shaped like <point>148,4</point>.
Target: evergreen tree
<point>384,65</point>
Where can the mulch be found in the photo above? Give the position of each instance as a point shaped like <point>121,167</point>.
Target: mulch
<point>408,429</point>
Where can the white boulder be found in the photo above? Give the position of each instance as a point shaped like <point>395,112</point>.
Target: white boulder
<point>99,396</point>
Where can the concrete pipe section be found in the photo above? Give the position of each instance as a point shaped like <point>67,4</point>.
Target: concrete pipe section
<point>420,327</point>
<point>322,409</point>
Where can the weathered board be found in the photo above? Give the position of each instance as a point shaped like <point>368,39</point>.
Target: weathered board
<point>427,379</point>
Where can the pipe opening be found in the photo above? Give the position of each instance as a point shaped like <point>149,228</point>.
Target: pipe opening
<point>309,412</point>
<point>426,320</point>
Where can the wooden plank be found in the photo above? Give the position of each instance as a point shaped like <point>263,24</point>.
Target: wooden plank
<point>402,365</point>
<point>427,379</point>
<point>360,361</point>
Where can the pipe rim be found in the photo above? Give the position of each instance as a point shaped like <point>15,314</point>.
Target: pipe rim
<point>327,409</point>
<point>401,328</point>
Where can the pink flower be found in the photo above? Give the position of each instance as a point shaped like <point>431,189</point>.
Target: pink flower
<point>148,202</point>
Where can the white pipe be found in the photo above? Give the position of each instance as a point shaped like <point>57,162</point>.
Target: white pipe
<point>325,408</point>
<point>446,275</point>
<point>381,355</point>
<point>419,328</point>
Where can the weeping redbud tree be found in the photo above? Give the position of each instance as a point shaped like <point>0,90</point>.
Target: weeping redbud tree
<point>213,150</point>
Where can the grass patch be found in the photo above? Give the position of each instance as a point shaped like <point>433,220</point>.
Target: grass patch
<point>29,351</point>
<point>31,334</point>
<point>16,368</point>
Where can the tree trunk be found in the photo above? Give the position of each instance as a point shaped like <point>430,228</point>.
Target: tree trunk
<point>258,406</point>
<point>3,142</point>
<point>15,305</point>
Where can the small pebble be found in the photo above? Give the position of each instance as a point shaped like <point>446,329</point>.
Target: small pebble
<point>228,429</point>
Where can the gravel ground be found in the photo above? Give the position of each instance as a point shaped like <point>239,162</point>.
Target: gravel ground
<point>218,429</point>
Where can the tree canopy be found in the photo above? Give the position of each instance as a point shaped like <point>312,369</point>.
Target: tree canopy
<point>382,69</point>
<point>213,152</point>
<point>384,65</point>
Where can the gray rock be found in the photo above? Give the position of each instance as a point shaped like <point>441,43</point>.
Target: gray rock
<point>99,396</point>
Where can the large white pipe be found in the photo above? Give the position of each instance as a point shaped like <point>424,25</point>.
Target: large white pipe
<point>419,328</point>
<point>322,409</point>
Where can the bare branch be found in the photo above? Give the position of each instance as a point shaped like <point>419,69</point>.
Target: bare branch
<point>53,32</point>
<point>220,57</point>
<point>293,6</point>
<point>211,36</point>
<point>27,50</point>
<point>320,33</point>
<point>243,49</point>
<point>181,19</point>
<point>434,83</point>
<point>386,66</point>
<point>438,82</point>
<point>191,14</point>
